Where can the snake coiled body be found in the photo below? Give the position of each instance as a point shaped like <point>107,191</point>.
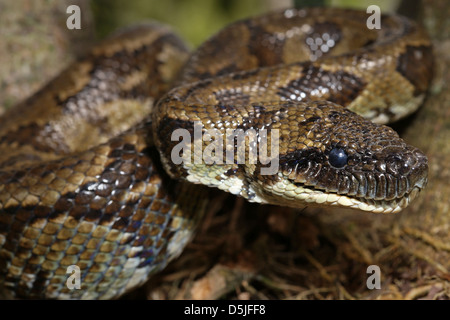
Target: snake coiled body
<point>87,175</point>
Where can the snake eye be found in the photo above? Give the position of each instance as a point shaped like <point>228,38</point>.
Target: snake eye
<point>337,157</point>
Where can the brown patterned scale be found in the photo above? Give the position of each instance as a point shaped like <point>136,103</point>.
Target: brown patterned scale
<point>81,169</point>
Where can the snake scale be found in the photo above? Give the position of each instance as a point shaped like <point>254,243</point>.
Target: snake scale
<point>86,174</point>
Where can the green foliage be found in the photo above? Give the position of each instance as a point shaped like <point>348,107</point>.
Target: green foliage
<point>194,20</point>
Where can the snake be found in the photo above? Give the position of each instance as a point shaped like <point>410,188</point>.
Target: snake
<point>100,178</point>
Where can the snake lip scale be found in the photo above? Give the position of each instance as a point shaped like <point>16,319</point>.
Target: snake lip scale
<point>365,204</point>
<point>86,174</point>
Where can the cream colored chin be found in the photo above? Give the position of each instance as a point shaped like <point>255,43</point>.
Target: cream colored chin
<point>294,196</point>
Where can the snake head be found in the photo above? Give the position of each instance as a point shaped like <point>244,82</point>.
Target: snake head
<point>338,158</point>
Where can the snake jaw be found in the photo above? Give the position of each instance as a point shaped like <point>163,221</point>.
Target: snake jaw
<point>295,195</point>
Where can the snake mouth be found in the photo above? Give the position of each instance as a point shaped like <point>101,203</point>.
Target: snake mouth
<point>292,193</point>
<point>319,197</point>
<point>372,205</point>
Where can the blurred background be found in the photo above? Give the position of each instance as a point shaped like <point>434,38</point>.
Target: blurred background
<point>196,20</point>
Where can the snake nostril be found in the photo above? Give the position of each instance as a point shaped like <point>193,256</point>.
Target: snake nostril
<point>398,164</point>
<point>419,170</point>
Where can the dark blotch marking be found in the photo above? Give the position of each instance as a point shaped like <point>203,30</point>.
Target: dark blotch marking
<point>300,159</point>
<point>116,153</point>
<point>112,207</point>
<point>32,134</point>
<point>24,215</point>
<point>168,125</point>
<point>93,215</point>
<point>129,147</point>
<point>311,119</point>
<point>317,84</point>
<point>369,42</point>
<point>8,217</point>
<point>416,65</point>
<point>141,174</point>
<point>231,172</point>
<point>78,212</point>
<point>84,197</point>
<point>334,115</point>
<point>64,204</point>
<point>106,219</point>
<point>259,118</point>
<point>126,212</point>
<point>93,95</point>
<point>121,223</point>
<point>164,131</point>
<point>42,212</point>
<point>265,46</point>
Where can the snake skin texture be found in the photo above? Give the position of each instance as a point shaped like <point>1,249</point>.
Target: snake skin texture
<point>87,176</point>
